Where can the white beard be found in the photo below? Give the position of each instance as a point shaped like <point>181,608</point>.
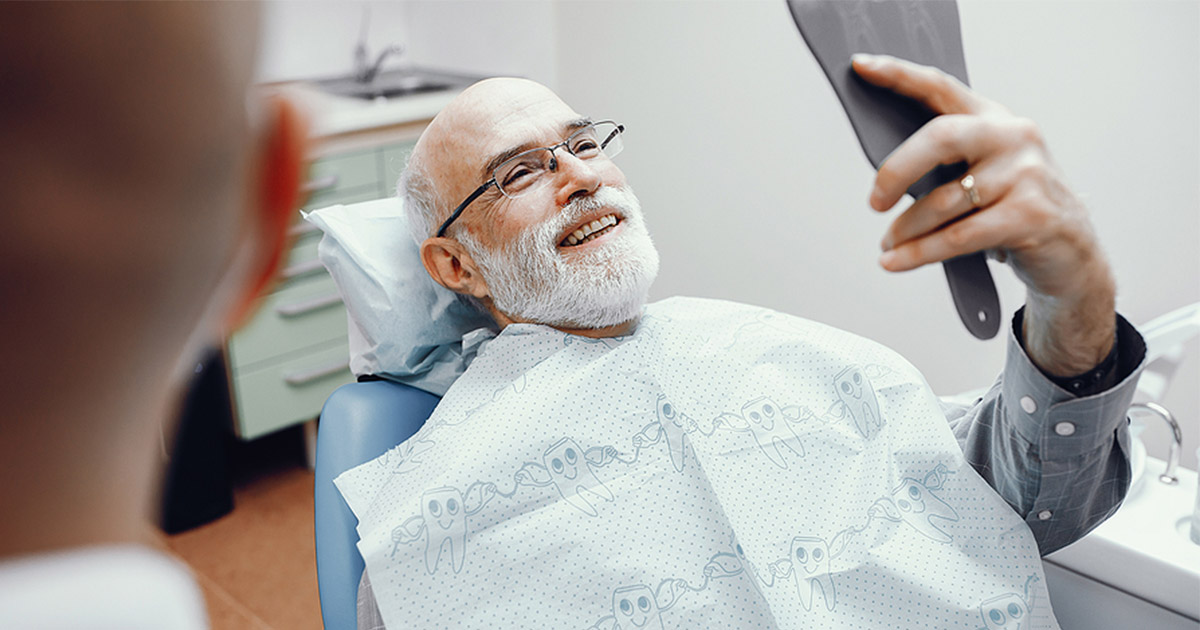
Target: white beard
<point>605,286</point>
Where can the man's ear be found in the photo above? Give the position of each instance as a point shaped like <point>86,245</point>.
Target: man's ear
<point>452,267</point>
<point>280,162</point>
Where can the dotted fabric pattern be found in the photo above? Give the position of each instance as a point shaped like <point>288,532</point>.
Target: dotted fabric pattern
<point>724,466</point>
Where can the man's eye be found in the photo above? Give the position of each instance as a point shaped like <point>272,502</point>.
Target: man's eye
<point>585,147</point>
<point>515,176</point>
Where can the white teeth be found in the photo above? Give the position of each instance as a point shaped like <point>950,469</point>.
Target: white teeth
<point>583,233</point>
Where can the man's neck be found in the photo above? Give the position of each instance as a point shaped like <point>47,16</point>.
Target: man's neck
<point>619,330</point>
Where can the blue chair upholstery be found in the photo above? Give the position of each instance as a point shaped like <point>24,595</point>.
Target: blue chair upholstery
<point>360,421</point>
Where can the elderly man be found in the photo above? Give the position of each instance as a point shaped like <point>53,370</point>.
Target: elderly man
<point>147,202</point>
<point>721,466</point>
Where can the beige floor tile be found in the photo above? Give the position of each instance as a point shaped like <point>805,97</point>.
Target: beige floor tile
<point>260,559</point>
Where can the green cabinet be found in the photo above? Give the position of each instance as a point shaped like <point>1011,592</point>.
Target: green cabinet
<point>293,353</point>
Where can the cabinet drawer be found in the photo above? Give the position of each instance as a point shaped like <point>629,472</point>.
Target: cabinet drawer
<point>343,172</point>
<point>304,249</point>
<point>321,200</point>
<point>289,392</point>
<point>304,313</point>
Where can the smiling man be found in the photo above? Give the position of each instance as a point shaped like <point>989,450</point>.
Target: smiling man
<point>726,466</point>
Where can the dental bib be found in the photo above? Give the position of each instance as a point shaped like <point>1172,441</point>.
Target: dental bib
<point>724,466</point>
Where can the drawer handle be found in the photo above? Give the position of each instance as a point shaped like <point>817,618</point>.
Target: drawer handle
<point>298,379</point>
<point>308,306</point>
<point>302,229</point>
<point>302,269</point>
<point>320,184</point>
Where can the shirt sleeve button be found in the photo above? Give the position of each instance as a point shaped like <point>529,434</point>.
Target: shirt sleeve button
<point>1028,404</point>
<point>1045,515</point>
<point>1064,429</point>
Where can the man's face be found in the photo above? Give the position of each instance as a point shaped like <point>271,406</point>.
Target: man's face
<point>527,248</point>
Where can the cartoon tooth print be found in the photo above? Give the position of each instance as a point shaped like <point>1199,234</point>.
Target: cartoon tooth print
<point>573,475</point>
<point>858,396</point>
<point>405,458</point>
<point>445,519</point>
<point>751,570</point>
<point>918,507</point>
<point>771,428</point>
<point>1006,612</point>
<point>810,568</point>
<point>675,426</point>
<point>636,607</point>
<point>1009,611</point>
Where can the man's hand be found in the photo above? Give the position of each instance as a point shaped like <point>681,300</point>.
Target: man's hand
<point>1026,215</point>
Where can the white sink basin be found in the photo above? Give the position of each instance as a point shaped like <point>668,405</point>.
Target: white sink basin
<point>1144,548</point>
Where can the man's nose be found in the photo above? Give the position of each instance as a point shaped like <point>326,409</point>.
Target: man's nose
<point>574,178</point>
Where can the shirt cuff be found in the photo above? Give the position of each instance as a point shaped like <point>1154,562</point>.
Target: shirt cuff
<point>1058,423</point>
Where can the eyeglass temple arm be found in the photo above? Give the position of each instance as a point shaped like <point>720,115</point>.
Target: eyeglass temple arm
<point>463,206</point>
<point>619,129</point>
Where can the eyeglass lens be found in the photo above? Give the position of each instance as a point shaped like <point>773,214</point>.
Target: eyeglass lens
<point>523,172</point>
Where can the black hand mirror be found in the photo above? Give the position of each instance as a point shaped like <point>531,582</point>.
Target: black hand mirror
<point>923,31</point>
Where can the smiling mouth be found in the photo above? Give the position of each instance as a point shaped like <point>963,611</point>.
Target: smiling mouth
<point>591,231</point>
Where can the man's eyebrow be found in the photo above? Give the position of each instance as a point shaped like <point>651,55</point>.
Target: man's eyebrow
<point>578,123</point>
<point>504,156</point>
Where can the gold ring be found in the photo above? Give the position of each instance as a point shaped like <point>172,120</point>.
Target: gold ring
<point>968,186</point>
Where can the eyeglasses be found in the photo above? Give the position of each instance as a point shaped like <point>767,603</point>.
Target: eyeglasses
<point>526,172</point>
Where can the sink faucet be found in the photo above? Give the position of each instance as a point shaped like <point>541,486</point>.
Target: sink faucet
<point>1169,475</point>
<point>364,73</point>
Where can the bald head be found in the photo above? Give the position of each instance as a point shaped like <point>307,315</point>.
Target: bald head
<point>121,122</point>
<point>143,199</point>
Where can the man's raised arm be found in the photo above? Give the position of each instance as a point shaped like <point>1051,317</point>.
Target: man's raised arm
<point>1051,435</point>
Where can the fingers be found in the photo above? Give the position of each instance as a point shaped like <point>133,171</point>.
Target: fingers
<point>945,204</point>
<point>943,140</point>
<point>937,90</point>
<point>948,140</point>
<point>988,229</point>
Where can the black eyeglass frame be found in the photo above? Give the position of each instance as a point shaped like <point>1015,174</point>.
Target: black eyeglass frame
<point>553,167</point>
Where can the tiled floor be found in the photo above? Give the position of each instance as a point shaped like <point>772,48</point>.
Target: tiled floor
<point>257,564</point>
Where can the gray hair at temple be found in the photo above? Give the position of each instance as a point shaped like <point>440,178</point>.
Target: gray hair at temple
<point>421,199</point>
<point>421,206</point>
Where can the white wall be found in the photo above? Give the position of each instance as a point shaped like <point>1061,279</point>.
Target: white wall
<point>313,39</point>
<point>755,188</point>
<point>489,38</point>
<point>754,185</point>
<point>316,39</point>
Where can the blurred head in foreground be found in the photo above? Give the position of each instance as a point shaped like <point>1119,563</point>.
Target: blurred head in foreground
<point>147,196</point>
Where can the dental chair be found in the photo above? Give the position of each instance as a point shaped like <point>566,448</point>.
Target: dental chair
<point>360,421</point>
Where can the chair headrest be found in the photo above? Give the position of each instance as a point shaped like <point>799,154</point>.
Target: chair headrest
<point>403,326</point>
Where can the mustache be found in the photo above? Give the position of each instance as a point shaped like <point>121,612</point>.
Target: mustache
<point>609,197</point>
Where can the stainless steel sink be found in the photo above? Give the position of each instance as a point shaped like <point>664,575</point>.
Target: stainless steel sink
<point>395,84</point>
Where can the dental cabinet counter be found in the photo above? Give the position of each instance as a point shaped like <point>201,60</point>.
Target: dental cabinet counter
<point>335,116</point>
<point>294,352</point>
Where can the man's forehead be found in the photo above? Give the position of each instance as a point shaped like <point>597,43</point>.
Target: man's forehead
<point>491,118</point>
